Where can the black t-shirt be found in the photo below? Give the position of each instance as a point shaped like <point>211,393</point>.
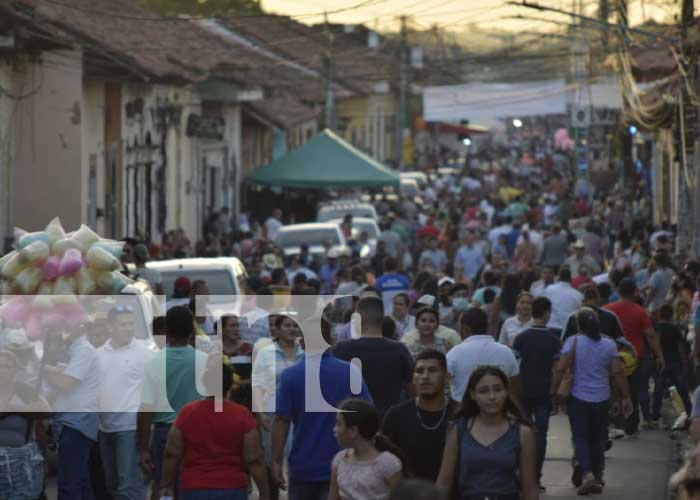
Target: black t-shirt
<point>609,325</point>
<point>387,367</point>
<point>538,348</point>
<point>671,339</point>
<point>422,448</point>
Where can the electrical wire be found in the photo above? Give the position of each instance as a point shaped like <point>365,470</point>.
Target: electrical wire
<point>20,97</point>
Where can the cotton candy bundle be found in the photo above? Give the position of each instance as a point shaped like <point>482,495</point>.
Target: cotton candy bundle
<point>54,268</point>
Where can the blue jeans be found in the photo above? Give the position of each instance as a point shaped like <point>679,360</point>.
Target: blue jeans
<point>672,375</point>
<point>73,465</point>
<point>308,490</point>
<point>120,462</point>
<point>238,494</point>
<point>539,410</point>
<point>589,428</point>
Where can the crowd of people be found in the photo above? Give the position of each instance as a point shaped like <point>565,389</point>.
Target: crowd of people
<point>506,291</point>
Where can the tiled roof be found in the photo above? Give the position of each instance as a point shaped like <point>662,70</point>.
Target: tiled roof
<point>285,111</point>
<point>165,49</point>
<point>357,66</point>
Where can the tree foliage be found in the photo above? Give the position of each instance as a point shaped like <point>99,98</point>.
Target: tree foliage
<point>203,7</point>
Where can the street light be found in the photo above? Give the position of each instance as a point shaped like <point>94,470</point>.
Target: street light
<point>517,123</point>
<point>467,141</point>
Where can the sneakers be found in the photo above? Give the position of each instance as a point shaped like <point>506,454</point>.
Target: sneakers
<point>589,486</point>
<point>616,433</point>
<point>650,425</point>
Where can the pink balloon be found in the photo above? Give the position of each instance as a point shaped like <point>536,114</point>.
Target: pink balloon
<point>71,262</point>
<point>51,268</point>
<point>33,326</point>
<point>15,311</point>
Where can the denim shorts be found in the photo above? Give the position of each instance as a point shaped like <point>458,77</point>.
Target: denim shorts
<point>21,472</point>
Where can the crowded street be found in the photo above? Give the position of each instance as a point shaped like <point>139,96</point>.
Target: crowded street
<point>389,250</point>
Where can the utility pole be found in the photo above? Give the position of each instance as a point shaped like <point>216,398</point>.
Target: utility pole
<point>604,11</point>
<point>581,104</point>
<point>401,118</point>
<point>688,207</point>
<point>328,68</point>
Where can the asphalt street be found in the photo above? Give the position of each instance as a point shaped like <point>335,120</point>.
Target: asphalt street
<point>636,468</point>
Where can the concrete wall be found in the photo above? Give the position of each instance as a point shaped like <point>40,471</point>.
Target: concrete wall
<point>48,177</point>
<point>93,152</point>
<point>7,151</point>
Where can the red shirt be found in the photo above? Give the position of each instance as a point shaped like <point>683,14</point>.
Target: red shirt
<point>580,281</point>
<point>213,442</point>
<point>634,320</point>
<point>428,231</point>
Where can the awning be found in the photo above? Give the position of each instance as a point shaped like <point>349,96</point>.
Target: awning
<point>326,161</point>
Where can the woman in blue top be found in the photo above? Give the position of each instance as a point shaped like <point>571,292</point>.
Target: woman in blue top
<point>491,447</point>
<point>594,361</point>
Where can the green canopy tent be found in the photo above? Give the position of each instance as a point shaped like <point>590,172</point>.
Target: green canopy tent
<point>327,161</point>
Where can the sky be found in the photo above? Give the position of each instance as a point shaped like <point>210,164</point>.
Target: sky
<point>451,14</point>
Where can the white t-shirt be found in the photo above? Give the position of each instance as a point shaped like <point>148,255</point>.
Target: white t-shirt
<point>511,328</point>
<point>121,380</point>
<point>565,300</point>
<point>475,351</point>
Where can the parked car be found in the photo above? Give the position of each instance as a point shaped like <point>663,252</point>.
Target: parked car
<point>409,188</point>
<point>313,234</point>
<point>338,210</point>
<point>419,177</point>
<point>225,276</point>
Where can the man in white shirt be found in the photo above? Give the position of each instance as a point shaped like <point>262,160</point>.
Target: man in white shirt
<point>122,362</point>
<point>273,225</point>
<point>477,350</point>
<point>539,287</point>
<point>565,300</point>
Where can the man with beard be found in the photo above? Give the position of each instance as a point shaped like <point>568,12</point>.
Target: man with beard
<point>418,426</point>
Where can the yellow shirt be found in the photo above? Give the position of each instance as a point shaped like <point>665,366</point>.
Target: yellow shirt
<point>448,334</point>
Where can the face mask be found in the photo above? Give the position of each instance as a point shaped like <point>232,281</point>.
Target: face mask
<point>460,304</point>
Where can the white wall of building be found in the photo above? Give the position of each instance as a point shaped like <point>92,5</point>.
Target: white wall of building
<point>93,152</point>
<point>48,179</point>
<point>179,159</point>
<point>7,151</point>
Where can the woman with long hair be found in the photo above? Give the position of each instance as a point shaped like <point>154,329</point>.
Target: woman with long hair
<point>421,278</point>
<point>490,450</point>
<point>427,323</point>
<point>510,292</point>
<point>370,466</point>
<point>405,322</point>
<point>592,360</point>
<point>521,321</point>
